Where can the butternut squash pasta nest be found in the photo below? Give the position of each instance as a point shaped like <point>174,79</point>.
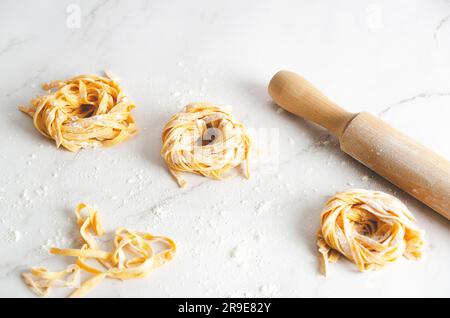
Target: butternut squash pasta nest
<point>85,111</point>
<point>133,256</point>
<point>204,139</point>
<point>370,228</point>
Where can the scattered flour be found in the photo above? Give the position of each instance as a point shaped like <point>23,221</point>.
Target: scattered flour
<point>25,195</point>
<point>257,235</point>
<point>158,212</point>
<point>263,206</point>
<point>57,241</point>
<point>14,235</point>
<point>238,255</point>
<point>268,290</point>
<point>291,141</point>
<point>42,191</point>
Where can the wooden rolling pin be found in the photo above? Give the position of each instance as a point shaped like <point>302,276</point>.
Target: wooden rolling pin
<point>407,164</point>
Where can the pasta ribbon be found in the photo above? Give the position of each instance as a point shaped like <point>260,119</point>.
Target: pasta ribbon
<point>40,280</point>
<point>133,256</point>
<point>204,139</point>
<point>370,228</point>
<point>85,111</point>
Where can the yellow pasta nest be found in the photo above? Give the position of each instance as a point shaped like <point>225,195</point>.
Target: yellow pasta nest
<point>85,111</point>
<point>132,257</point>
<point>370,228</point>
<point>204,139</point>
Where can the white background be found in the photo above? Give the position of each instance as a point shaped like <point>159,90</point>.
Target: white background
<point>238,237</point>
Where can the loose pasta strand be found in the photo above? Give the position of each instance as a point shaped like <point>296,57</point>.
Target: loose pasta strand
<point>133,257</point>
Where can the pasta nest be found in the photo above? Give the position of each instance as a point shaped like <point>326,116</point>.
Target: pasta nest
<point>370,228</point>
<point>204,139</point>
<point>85,111</point>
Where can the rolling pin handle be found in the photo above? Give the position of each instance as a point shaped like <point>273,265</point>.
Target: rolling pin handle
<point>296,95</point>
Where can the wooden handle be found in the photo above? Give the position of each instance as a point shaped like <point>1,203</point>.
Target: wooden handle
<point>407,164</point>
<point>296,95</point>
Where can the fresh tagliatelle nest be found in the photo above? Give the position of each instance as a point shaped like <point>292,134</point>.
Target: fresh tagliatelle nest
<point>85,111</point>
<point>370,228</point>
<point>133,256</point>
<point>204,139</point>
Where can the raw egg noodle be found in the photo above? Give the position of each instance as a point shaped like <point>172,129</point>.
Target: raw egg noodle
<point>132,257</point>
<point>204,139</point>
<point>40,280</point>
<point>370,228</point>
<point>85,111</point>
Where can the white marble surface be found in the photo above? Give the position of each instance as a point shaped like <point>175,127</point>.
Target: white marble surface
<point>391,58</point>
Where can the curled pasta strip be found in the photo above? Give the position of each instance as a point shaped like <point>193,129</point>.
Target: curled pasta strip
<point>204,139</point>
<point>370,228</point>
<point>85,111</point>
<point>133,256</point>
<point>40,280</point>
